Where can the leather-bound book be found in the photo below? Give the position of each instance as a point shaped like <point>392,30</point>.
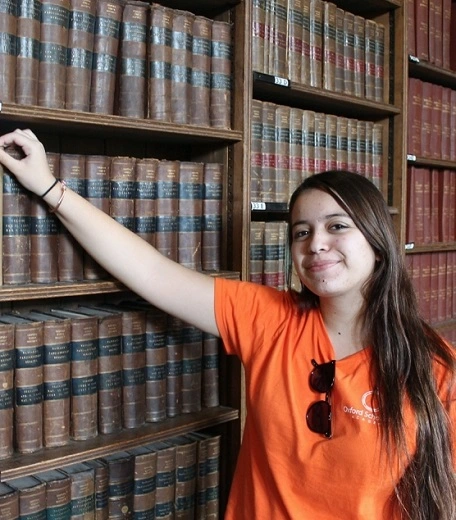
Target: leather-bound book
<point>181,66</point>
<point>331,142</point>
<point>210,371</point>
<point>201,71</point>
<point>166,207</point>
<point>121,484</point>
<point>71,254</point>
<point>98,193</point>
<point>271,254</point>
<point>28,51</point>
<point>308,143</point>
<point>426,116</point>
<point>32,496</point>
<point>349,52</point>
<point>56,378</point>
<point>256,263</point>
<point>58,493</point>
<point>133,60</point>
<point>377,155</point>
<point>282,153</point>
<point>258,34</point>
<point>329,46</point>
<point>305,57</point>
<point>192,356</point>
<point>166,480</point>
<point>320,142</point>
<point>123,191</point>
<point>80,54</point>
<point>105,56</point>
<point>339,79</point>
<point>268,160</point>
<point>7,362</point>
<point>53,53</point>
<point>278,58</point>
<point>212,477</point>
<point>316,42</point>
<point>82,490</point>
<point>16,229</point>
<point>44,232</point>
<point>28,383</point>
<point>296,146</point>
<point>101,478</point>
<point>379,62</point>
<point>255,150</point>
<point>190,214</point>
<point>352,144</point>
<point>212,216</point>
<point>9,502</point>
<point>221,57</point>
<point>145,198</point>
<point>360,57</point>
<point>295,30</point>
<point>362,148</point>
<point>160,56</point>
<point>8,51</point>
<point>84,373</point>
<point>174,366</point>
<point>342,143</point>
<point>144,482</point>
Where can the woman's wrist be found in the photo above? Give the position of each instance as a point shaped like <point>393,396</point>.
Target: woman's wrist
<point>50,188</point>
<point>55,196</point>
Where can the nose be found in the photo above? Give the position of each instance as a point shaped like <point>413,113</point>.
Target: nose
<point>318,242</point>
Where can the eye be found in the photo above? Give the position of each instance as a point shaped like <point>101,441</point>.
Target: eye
<point>300,234</point>
<point>338,226</point>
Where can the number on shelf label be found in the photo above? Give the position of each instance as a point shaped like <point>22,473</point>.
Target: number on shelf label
<point>283,82</point>
<point>259,205</point>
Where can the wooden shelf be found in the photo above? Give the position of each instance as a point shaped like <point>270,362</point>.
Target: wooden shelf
<point>413,160</point>
<point>436,247</point>
<point>78,451</point>
<point>428,72</point>
<point>203,7</point>
<point>369,8</point>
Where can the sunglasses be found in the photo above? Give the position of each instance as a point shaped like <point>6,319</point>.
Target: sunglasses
<point>321,380</point>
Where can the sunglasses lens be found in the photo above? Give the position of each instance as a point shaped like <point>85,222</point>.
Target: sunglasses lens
<point>319,418</point>
<point>322,377</point>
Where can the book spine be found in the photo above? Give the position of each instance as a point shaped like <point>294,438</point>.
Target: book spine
<point>331,142</point>
<point>105,51</point>
<point>101,488</point>
<point>282,153</point>
<point>58,494</point>
<point>160,56</point>
<point>342,143</point>
<point>82,491</point>
<point>212,216</point>
<point>279,55</point>
<point>446,124</point>
<point>7,363</point>
<point>294,43</point>
<point>97,189</point>
<point>432,29</point>
<point>122,208</point>
<point>422,29</point>
<point>306,47</point>
<point>320,142</point>
<point>190,210</point>
<point>447,34</point>
<point>28,52</point>
<point>361,149</point>
<point>426,119</point>
<point>258,35</point>
<point>271,254</point>
<point>369,142</point>
<point>377,155</point>
<point>144,483</point>
<point>81,30</point>
<point>201,71</point>
<point>435,143</point>
<point>316,42</point>
<point>370,44</point>
<point>53,53</point>
<point>133,59</point>
<point>210,371</point>
<point>411,34</point>
<point>268,161</point>
<point>339,82</point>
<point>181,66</point>
<point>120,499</point>
<point>329,46</point>
<point>9,503</point>
<point>174,367</point>
<point>212,477</point>
<point>349,53</point>
<point>256,251</point>
<point>414,116</point>
<point>308,143</point>
<point>256,157</point>
<point>221,52</point>
<point>145,198</point>
<point>359,56</point>
<point>186,467</point>
<point>8,50</point>
<point>32,497</point>
<point>166,483</point>
<point>167,204</point>
<point>296,147</point>
<point>379,62</point>
<point>192,355</point>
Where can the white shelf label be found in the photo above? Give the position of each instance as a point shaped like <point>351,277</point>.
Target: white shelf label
<point>283,82</point>
<point>259,205</point>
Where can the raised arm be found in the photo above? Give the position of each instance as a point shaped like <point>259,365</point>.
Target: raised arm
<point>173,288</point>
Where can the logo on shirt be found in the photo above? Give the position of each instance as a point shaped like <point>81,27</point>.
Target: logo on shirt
<point>367,412</point>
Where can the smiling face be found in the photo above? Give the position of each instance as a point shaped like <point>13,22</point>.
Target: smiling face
<point>331,256</point>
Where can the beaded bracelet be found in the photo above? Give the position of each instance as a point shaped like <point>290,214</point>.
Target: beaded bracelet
<point>62,195</point>
<point>50,188</point>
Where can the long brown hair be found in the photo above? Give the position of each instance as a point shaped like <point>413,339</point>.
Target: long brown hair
<point>405,349</point>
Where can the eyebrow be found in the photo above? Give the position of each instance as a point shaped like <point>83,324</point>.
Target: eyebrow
<point>326,217</point>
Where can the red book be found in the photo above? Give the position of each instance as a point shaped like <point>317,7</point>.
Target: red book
<point>414,114</point>
<point>411,35</point>
<point>422,29</point>
<point>438,32</point>
<point>426,122</point>
<point>431,29</point>
<point>8,29</point>
<point>427,229</point>
<point>441,286</point>
<point>446,124</point>
<point>435,143</point>
<point>444,205</point>
<point>435,206</point>
<point>448,31</point>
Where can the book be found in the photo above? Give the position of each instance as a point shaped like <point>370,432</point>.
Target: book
<point>121,484</point>
<point>212,476</point>
<point>174,366</point>
<point>256,157</point>
<point>414,113</point>
<point>359,56</point>
<point>7,364</point>
<point>279,37</point>
<point>133,60</point>
<point>268,162</point>
<point>422,29</point>
<point>339,82</point>
<point>166,480</point>
<point>210,371</point>
<point>331,142</point>
<point>28,51</point>
<point>308,143</point>
<point>101,487</point>
<point>295,152</point>
<point>221,55</point>
<point>145,198</point>
<point>9,502</point>
<point>190,211</point>
<point>316,43</point>
<point>105,52</point>
<point>160,56</point>
<point>28,383</point>
<point>81,34</point>
<point>306,46</point>
<point>361,150</point>
<point>144,482</point>
<point>370,42</point>
<point>282,153</point>
<point>58,493</point>
<point>320,142</point>
<point>342,143</point>
<point>201,71</point>
<point>446,124</point>
<point>32,496</point>
<point>380,62</point>
<point>192,355</point>
<point>411,34</point>
<point>53,53</point>
<point>426,119</point>
<point>294,44</point>
<point>349,53</point>
<point>258,35</point>
<point>271,254</point>
<point>8,50</point>
<point>448,24</point>
<point>122,207</point>
<point>213,179</point>
<point>329,46</point>
<point>82,490</point>
<point>256,251</point>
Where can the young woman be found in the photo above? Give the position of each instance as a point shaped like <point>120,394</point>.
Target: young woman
<point>350,398</point>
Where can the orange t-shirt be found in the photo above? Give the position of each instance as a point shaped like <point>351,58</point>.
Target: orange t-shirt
<point>284,470</point>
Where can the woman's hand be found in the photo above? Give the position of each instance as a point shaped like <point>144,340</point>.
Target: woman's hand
<point>33,170</point>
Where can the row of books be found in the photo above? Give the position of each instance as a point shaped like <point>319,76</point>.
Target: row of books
<point>289,144</point>
<point>110,57</point>
<point>430,34</point>
<point>315,43</point>
<point>431,206</point>
<point>74,373</point>
<point>431,120</point>
<point>174,205</point>
<point>173,479</point>
<point>434,279</point>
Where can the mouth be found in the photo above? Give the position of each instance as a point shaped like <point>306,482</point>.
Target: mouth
<point>318,267</point>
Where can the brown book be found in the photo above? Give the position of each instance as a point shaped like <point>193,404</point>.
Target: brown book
<point>339,82</point>
<point>101,487</point>
<point>71,254</point>
<point>84,373</point>
<point>181,65</point>
<point>190,210</point>
<point>349,52</point>
<point>212,216</point>
<point>268,34</point>
<point>361,151</point>
<point>414,116</point>
<point>32,496</point>
<point>81,33</point>
<point>448,24</point>
<point>53,53</point>
<point>166,480</point>
<point>377,155</point>
<point>58,493</point>
<point>369,138</point>
<point>432,29</point>
<point>427,239</point>
<point>109,368</point>
<point>342,143</point>
<point>121,483</point>
<point>82,490</point>
<point>201,470</point>
<point>446,124</point>
<point>422,29</point>
<point>329,46</point>
<point>279,36</point>
<point>7,363</point>
<point>268,162</point>
<point>201,71</point>
<point>105,52</point>
<point>8,50</point>
<point>316,42</point>
<point>192,355</point>
<point>370,30</point>
<point>296,146</point>
<point>210,371</point>
<point>28,51</point>
<point>380,62</point>
<point>133,60</point>
<point>145,198</point>
<point>221,55</point>
<point>256,139</point>
<point>453,123</point>
<point>144,482</point>
<point>331,142</point>
<point>256,251</point>
<point>271,254</point>
<point>98,193</point>
<point>174,366</point>
<point>295,28</point>
<point>44,232</point>
<point>352,144</point>
<point>56,378</point>
<point>122,206</point>
<point>9,502</point>
<point>411,34</point>
<point>212,478</point>
<point>435,204</point>
<point>426,119</point>
<point>435,142</point>
<point>282,153</point>
<point>160,56</point>
<point>306,50</point>
<point>320,142</point>
<point>308,143</point>
<point>445,203</point>
<point>359,56</point>
<point>166,207</point>
<point>28,383</point>
<point>258,35</point>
